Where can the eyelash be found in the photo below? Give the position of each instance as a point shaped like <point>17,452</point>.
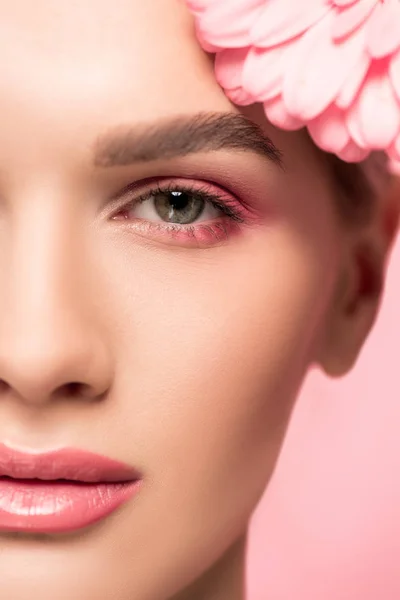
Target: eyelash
<point>202,234</point>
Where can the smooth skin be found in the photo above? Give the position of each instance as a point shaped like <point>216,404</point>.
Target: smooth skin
<point>185,351</point>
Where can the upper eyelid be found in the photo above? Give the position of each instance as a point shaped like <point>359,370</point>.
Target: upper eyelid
<point>172,185</point>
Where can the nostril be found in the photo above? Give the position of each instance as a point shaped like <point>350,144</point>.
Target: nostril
<point>3,386</point>
<point>72,389</point>
<point>75,389</point>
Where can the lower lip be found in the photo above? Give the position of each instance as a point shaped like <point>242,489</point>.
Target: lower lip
<point>60,506</point>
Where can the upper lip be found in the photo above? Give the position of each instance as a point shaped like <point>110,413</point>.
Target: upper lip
<point>70,464</point>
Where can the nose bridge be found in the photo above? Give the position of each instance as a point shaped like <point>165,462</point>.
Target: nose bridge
<point>41,257</point>
<point>48,333</point>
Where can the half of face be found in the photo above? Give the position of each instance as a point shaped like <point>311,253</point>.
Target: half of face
<point>168,265</point>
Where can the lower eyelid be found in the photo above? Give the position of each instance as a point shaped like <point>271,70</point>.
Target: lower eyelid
<point>199,235</point>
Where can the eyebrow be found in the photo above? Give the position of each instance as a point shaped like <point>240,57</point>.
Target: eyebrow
<point>181,136</point>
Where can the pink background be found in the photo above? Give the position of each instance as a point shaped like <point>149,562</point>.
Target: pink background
<point>328,527</point>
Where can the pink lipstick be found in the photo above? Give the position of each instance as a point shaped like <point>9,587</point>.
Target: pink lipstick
<point>60,491</point>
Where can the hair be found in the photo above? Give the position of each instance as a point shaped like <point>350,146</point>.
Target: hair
<point>357,186</point>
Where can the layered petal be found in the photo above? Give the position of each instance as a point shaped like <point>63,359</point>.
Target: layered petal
<point>348,20</point>
<point>308,91</point>
<point>229,66</point>
<point>378,112</point>
<point>342,3</point>
<point>283,20</point>
<point>394,167</point>
<point>329,130</point>
<point>263,72</point>
<point>383,29</point>
<point>278,115</point>
<point>355,79</point>
<point>353,153</point>
<point>394,150</point>
<point>227,23</point>
<point>394,73</point>
<point>199,6</point>
<point>330,65</point>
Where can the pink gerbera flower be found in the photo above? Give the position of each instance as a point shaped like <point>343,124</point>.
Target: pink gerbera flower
<point>330,65</point>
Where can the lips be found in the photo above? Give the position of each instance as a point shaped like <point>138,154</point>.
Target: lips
<point>61,491</point>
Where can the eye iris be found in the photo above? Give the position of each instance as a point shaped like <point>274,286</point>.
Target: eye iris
<point>178,207</point>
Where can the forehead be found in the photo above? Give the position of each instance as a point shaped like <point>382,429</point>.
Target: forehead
<point>88,59</point>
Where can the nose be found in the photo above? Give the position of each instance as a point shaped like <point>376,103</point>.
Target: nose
<point>40,365</point>
<point>51,341</point>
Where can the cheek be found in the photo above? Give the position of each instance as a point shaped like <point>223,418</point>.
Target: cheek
<point>210,348</point>
<point>212,345</point>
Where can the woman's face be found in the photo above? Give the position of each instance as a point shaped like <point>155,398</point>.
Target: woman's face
<point>186,343</point>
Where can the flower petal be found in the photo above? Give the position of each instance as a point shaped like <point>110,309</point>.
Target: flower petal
<point>347,20</point>
<point>227,23</point>
<point>319,69</point>
<point>228,70</point>
<point>378,111</point>
<point>394,73</point>
<point>329,130</point>
<point>394,166</point>
<point>353,123</point>
<point>263,72</point>
<point>353,153</point>
<point>330,65</point>
<point>353,83</point>
<point>204,43</point>
<point>229,66</point>
<point>282,20</point>
<point>344,2</point>
<point>199,6</point>
<point>383,29</point>
<point>394,150</point>
<point>278,115</point>
<point>239,96</point>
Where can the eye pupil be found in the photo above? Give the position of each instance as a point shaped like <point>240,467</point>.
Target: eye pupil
<point>178,207</point>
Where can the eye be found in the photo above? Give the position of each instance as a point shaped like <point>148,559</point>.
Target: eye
<point>182,212</point>
<point>181,207</point>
